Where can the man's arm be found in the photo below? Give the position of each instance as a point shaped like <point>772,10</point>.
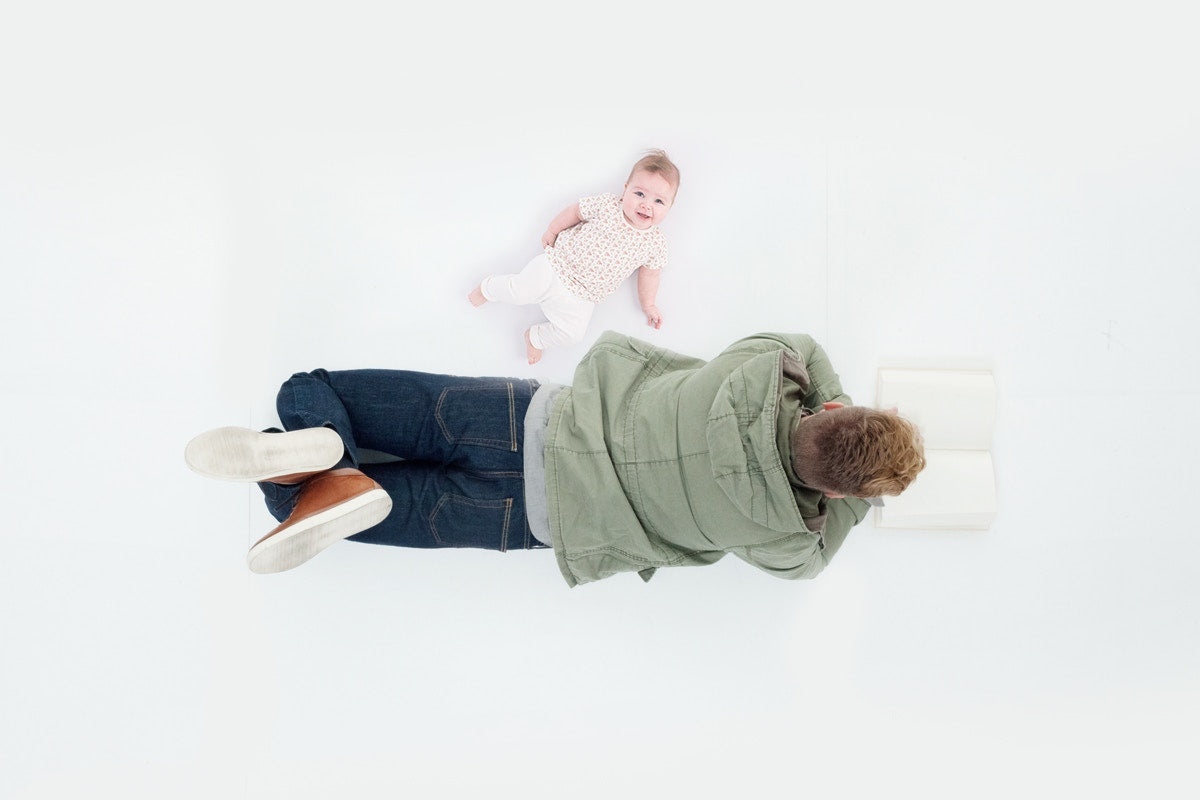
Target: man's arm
<point>842,514</point>
<point>792,557</point>
<point>804,556</point>
<point>825,385</point>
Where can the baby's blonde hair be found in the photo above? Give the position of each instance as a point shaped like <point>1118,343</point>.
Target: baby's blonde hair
<point>656,162</point>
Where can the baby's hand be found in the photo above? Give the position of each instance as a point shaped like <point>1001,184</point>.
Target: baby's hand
<point>653,317</point>
<point>548,238</point>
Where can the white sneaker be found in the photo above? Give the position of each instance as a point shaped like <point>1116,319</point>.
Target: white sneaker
<point>242,454</point>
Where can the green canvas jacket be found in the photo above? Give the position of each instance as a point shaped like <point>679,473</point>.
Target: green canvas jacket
<point>655,459</point>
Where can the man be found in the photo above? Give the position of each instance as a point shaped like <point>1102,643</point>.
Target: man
<point>649,459</point>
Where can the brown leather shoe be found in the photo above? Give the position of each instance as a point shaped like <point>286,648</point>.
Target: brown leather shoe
<point>332,505</point>
<point>241,454</point>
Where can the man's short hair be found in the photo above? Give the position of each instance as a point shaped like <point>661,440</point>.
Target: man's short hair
<point>861,452</point>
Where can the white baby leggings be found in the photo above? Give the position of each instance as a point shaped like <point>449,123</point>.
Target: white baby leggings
<point>567,316</point>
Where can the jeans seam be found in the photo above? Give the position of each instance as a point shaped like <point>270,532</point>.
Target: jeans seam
<point>432,514</point>
<point>512,417</point>
<point>504,531</point>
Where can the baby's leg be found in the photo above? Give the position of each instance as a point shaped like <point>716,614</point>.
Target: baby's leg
<point>567,320</point>
<point>530,285</point>
<point>532,352</point>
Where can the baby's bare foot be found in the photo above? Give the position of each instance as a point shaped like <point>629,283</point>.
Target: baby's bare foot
<point>476,296</point>
<point>534,354</point>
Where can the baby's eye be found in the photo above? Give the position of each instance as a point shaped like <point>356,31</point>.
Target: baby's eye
<point>659,201</point>
<point>639,194</point>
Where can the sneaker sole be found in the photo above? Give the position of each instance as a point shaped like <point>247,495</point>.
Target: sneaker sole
<point>293,546</point>
<point>242,454</point>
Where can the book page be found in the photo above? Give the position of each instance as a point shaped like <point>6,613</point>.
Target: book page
<point>955,409</point>
<point>956,490</point>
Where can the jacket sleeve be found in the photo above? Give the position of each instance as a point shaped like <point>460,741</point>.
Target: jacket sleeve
<point>804,556</point>
<point>841,515</point>
<point>825,385</point>
<point>792,557</point>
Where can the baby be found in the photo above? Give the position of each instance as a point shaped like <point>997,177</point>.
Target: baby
<point>591,247</point>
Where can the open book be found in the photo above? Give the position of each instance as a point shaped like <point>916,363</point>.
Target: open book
<point>956,412</point>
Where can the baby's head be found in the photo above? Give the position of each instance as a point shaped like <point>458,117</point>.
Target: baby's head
<point>650,190</point>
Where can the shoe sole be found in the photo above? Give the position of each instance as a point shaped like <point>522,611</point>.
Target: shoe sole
<point>293,546</point>
<point>242,454</point>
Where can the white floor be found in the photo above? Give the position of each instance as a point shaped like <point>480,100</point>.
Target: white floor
<point>192,207</point>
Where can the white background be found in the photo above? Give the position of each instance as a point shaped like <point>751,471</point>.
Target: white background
<point>196,203</point>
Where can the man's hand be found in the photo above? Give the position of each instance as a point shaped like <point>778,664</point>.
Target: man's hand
<point>653,317</point>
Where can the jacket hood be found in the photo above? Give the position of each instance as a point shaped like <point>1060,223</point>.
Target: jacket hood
<point>741,432</point>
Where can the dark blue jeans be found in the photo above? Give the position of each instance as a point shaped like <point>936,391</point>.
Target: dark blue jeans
<point>462,441</point>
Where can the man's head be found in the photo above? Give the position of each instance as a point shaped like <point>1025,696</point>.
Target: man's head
<point>650,190</point>
<point>861,452</point>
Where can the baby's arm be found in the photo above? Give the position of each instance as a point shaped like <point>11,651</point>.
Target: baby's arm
<point>647,292</point>
<point>567,218</point>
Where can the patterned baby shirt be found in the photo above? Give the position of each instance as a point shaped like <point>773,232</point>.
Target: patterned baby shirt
<point>596,256</point>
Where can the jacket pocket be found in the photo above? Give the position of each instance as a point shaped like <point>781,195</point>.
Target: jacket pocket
<point>458,521</point>
<point>479,415</point>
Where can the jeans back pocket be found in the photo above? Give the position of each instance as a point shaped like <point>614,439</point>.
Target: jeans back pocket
<point>458,521</point>
<point>484,415</point>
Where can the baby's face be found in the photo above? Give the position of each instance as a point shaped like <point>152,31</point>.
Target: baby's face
<point>647,199</point>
